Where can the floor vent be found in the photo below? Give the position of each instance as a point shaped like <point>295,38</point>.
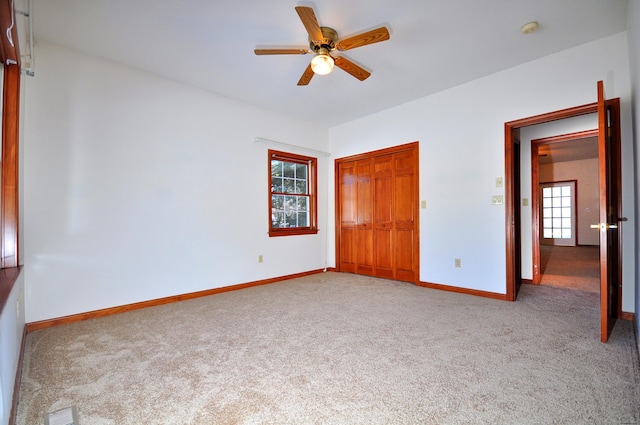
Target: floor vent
<point>66,416</point>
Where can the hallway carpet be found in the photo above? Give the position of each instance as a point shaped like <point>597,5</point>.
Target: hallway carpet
<point>575,267</point>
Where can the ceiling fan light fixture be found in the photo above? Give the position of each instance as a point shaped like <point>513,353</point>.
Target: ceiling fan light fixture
<point>322,63</point>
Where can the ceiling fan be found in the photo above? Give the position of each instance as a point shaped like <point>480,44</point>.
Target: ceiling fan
<point>322,42</point>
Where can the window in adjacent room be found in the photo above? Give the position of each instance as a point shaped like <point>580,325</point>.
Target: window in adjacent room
<point>292,198</point>
<point>558,213</point>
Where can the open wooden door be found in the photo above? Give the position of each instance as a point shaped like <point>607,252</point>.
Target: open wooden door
<point>609,176</point>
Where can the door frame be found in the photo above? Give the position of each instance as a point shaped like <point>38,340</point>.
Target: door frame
<point>535,195</point>
<point>512,198</point>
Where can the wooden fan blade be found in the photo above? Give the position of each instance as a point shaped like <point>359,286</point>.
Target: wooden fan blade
<point>374,36</point>
<point>308,18</point>
<point>306,76</point>
<point>281,51</point>
<point>350,67</point>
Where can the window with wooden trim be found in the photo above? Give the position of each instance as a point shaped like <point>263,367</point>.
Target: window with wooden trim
<point>292,194</point>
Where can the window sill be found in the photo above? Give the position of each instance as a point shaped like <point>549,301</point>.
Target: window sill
<point>292,232</point>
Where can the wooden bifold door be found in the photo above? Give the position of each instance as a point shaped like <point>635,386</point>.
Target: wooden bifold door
<point>377,213</point>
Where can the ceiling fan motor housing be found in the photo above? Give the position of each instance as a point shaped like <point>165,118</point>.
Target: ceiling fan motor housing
<point>329,40</point>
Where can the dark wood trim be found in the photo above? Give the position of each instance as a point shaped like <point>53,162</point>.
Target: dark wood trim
<point>33,326</point>
<point>9,47</point>
<point>18,378</point>
<point>379,152</point>
<point>9,196</point>
<point>457,289</point>
<point>8,278</point>
<point>554,116</point>
<point>625,315</point>
<point>509,206</point>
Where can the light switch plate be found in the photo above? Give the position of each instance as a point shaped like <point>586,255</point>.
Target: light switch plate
<point>499,182</point>
<point>525,202</point>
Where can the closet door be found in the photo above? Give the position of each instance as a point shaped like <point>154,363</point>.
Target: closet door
<point>405,230</point>
<point>377,195</point>
<point>383,216</point>
<point>356,235</point>
<point>347,209</point>
<point>364,228</point>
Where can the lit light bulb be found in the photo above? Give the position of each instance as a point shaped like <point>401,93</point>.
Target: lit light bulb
<point>322,63</point>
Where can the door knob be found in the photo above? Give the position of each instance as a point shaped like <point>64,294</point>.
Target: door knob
<point>604,226</point>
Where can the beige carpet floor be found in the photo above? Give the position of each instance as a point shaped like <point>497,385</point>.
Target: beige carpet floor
<point>576,267</point>
<point>339,349</point>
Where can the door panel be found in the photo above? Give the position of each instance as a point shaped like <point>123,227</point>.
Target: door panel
<point>609,175</point>
<point>405,181</point>
<point>348,219</point>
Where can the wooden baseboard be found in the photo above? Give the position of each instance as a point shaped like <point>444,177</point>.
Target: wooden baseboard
<point>18,379</point>
<point>626,316</point>
<point>486,294</point>
<point>33,326</point>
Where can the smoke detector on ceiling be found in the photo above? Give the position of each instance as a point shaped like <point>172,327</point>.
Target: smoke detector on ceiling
<point>530,27</point>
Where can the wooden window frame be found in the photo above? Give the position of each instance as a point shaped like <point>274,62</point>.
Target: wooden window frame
<point>312,185</point>
<point>10,57</point>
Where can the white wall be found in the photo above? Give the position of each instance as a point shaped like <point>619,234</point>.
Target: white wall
<point>137,187</point>
<point>461,135</point>
<point>633,19</point>
<point>12,320</point>
<point>585,173</point>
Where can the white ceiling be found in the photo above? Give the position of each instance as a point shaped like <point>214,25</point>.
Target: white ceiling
<point>434,44</point>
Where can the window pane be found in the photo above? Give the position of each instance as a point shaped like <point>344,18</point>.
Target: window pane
<point>566,223</point>
<point>302,203</point>
<point>547,223</point>
<point>289,169</point>
<point>547,213</point>
<point>276,168</point>
<point>276,184</point>
<point>557,202</point>
<point>557,191</point>
<point>547,233</point>
<point>288,185</point>
<point>301,186</point>
<point>301,171</point>
<point>566,233</point>
<point>566,191</point>
<point>303,219</point>
<point>546,192</point>
<point>566,212</point>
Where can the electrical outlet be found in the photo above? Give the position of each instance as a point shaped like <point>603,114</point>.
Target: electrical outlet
<point>423,204</point>
<point>259,258</point>
<point>525,202</point>
<point>458,262</point>
<point>496,200</point>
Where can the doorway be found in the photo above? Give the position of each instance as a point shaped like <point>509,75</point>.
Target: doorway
<point>565,202</point>
<point>608,113</point>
